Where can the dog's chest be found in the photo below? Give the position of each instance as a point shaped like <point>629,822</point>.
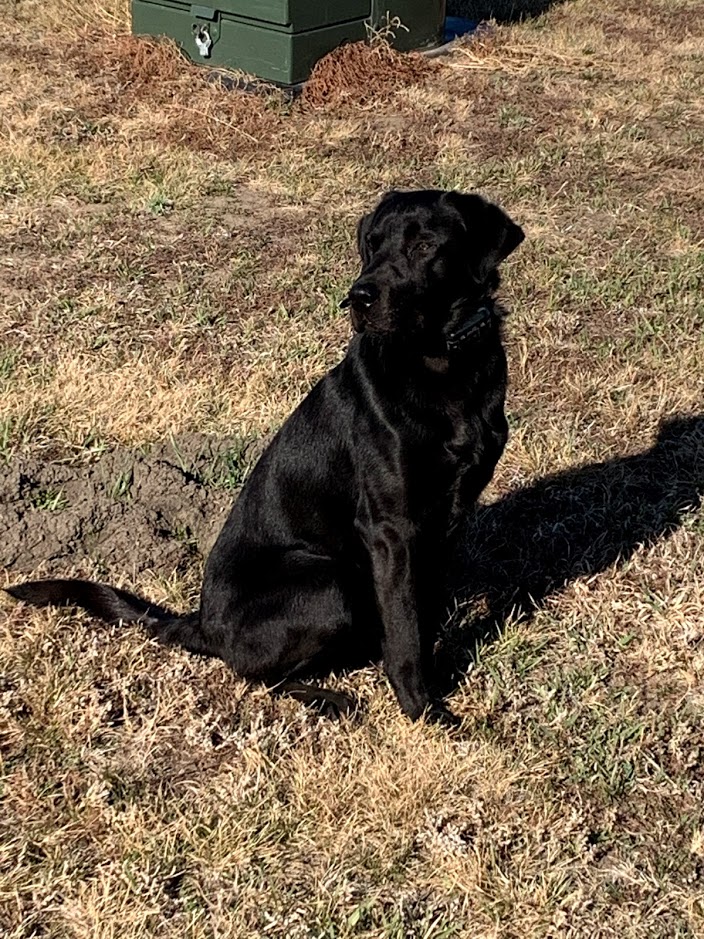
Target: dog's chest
<point>464,432</point>
<point>464,452</point>
<point>459,439</point>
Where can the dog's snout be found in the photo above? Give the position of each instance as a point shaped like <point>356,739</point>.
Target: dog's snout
<point>361,295</point>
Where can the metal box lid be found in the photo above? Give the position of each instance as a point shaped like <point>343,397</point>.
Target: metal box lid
<point>299,14</point>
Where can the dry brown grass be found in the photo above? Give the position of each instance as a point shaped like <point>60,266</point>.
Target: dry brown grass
<point>171,260</point>
<point>362,73</point>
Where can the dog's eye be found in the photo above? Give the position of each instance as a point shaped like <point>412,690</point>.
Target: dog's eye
<point>422,247</point>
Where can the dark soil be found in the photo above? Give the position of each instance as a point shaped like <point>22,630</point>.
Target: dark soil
<point>125,513</point>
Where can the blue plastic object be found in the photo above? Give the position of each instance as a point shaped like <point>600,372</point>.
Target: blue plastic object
<point>456,26</point>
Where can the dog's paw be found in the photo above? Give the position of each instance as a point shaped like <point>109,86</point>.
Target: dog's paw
<point>334,705</point>
<point>438,713</point>
<point>330,704</point>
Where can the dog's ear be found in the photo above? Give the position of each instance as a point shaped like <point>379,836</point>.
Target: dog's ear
<point>492,234</point>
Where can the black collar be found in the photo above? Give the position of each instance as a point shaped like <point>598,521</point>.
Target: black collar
<point>476,323</point>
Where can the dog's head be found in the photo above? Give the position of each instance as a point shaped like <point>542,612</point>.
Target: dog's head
<point>423,254</point>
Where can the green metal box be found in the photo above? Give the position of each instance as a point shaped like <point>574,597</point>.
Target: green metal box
<point>280,40</point>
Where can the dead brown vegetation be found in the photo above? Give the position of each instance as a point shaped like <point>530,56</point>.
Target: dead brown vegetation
<point>361,73</point>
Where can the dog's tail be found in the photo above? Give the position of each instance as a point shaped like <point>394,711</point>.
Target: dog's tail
<point>117,606</point>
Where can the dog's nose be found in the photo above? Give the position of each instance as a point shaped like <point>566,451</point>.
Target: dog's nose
<point>361,296</point>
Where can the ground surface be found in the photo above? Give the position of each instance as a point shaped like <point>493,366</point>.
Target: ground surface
<point>171,261</point>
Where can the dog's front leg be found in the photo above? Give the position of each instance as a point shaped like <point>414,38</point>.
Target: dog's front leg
<point>391,545</point>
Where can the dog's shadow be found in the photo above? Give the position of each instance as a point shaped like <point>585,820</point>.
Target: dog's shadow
<point>527,546</point>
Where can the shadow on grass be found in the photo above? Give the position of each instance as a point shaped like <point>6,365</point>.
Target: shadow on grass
<point>504,11</point>
<point>529,545</point>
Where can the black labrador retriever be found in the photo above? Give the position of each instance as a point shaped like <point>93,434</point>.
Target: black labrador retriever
<point>336,546</point>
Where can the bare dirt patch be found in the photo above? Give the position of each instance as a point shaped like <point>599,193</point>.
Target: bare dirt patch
<point>128,512</point>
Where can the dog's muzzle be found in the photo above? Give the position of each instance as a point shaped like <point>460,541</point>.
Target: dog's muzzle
<point>361,296</point>
<point>359,300</point>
